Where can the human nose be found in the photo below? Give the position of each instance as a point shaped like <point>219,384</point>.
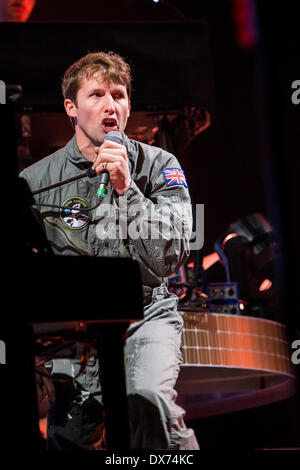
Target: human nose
<point>109,103</point>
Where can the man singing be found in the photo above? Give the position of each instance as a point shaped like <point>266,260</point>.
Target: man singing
<point>150,184</point>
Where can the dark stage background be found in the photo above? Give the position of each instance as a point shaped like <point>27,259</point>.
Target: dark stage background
<point>244,161</point>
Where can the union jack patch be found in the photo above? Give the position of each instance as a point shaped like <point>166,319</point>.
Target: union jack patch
<point>175,177</point>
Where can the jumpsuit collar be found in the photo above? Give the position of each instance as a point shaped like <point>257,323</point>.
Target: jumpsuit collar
<point>75,156</point>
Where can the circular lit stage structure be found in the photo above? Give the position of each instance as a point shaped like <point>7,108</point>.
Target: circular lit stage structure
<point>232,362</point>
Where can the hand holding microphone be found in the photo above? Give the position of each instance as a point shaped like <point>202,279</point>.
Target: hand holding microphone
<point>112,164</point>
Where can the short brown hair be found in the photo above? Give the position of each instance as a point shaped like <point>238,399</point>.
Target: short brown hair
<point>112,66</point>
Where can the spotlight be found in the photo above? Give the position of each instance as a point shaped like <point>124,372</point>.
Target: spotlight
<point>248,251</point>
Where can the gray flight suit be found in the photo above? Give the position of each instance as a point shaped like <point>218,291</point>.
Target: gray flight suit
<point>154,227</point>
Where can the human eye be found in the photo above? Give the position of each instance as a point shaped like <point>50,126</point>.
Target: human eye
<point>118,95</point>
<point>95,94</point>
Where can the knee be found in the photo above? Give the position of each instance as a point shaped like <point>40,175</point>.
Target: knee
<point>152,395</point>
<point>145,390</point>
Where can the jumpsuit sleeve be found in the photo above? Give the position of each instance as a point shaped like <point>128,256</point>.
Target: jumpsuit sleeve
<point>159,225</point>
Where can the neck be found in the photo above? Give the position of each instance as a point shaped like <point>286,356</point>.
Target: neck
<point>87,151</point>
<point>86,146</point>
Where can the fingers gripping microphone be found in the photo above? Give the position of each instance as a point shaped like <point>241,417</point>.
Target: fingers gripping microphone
<point>116,137</point>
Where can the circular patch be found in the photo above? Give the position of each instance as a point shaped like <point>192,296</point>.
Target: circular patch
<point>72,214</point>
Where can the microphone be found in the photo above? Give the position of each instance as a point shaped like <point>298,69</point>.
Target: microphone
<point>116,137</point>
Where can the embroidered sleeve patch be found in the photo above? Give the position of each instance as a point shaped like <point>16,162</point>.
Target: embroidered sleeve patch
<point>175,177</point>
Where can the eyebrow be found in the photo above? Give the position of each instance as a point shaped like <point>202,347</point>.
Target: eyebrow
<point>116,87</point>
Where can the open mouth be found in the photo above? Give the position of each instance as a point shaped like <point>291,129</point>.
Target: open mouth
<point>18,10</point>
<point>18,6</point>
<point>109,124</point>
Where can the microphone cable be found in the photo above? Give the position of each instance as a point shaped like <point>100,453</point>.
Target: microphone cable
<point>89,172</point>
<point>66,210</point>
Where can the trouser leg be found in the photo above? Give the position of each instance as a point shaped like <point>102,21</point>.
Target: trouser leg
<point>75,420</point>
<point>152,359</point>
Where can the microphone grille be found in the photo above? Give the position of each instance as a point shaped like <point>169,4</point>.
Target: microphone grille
<point>114,136</point>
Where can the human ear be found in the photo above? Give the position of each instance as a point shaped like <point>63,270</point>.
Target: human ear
<point>70,108</point>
